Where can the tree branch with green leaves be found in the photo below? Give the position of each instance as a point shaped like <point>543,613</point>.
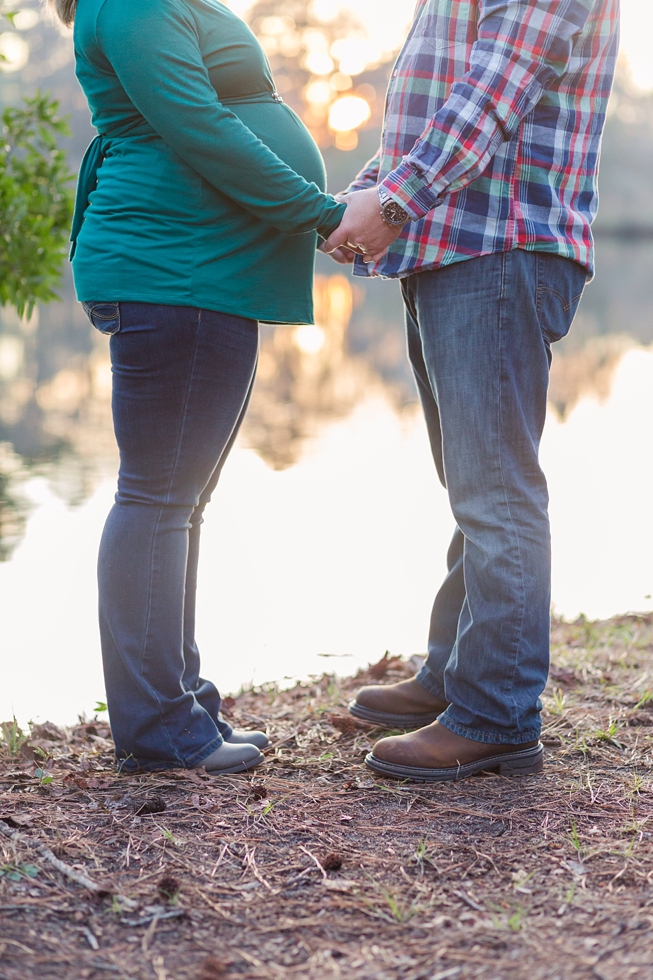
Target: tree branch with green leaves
<point>36,203</point>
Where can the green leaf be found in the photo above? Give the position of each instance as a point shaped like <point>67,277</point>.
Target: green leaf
<point>100,707</point>
<point>30,870</point>
<point>11,872</point>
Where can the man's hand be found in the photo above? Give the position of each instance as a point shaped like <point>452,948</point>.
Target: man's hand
<point>362,228</point>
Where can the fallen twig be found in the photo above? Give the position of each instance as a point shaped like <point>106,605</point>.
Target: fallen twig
<point>62,867</point>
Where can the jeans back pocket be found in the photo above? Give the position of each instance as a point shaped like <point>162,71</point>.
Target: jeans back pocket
<point>105,317</point>
<point>560,285</point>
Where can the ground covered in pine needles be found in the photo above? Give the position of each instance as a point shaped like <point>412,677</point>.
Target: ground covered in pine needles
<point>313,868</point>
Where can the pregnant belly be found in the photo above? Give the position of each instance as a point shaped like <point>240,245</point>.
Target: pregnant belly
<point>137,175</point>
<point>282,130</point>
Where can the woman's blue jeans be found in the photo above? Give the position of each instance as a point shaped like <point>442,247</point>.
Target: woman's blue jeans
<point>181,384</point>
<point>479,339</point>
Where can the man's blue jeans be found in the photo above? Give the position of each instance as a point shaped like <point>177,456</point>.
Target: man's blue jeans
<point>181,383</point>
<point>479,340</point>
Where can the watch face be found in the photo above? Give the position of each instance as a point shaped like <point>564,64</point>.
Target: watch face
<point>394,213</point>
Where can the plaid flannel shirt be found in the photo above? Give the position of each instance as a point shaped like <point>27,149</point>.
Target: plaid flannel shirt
<point>492,130</point>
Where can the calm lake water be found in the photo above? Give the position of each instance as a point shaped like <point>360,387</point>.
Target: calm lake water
<point>327,536</point>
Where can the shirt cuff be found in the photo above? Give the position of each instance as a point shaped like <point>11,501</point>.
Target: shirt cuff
<point>405,186</point>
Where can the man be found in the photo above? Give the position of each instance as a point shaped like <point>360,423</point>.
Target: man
<point>480,201</point>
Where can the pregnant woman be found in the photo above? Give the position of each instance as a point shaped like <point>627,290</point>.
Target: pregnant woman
<point>197,211</point>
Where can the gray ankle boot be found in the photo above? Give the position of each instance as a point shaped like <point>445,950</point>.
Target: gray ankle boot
<point>231,758</point>
<point>240,735</point>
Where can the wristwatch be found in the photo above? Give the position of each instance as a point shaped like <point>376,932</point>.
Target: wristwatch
<point>391,212</point>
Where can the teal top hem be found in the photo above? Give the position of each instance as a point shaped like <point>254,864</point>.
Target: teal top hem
<point>161,299</point>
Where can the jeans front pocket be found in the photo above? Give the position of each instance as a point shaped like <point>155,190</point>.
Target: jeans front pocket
<point>105,317</point>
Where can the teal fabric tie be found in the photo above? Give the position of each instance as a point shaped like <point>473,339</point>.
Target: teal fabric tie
<point>86,184</point>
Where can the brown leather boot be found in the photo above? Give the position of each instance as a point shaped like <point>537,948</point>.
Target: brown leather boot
<point>434,754</point>
<point>406,704</point>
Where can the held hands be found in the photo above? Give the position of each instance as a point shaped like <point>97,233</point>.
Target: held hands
<point>361,230</point>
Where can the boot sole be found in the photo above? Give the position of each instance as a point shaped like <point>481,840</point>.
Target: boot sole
<point>526,762</point>
<point>241,767</point>
<point>387,719</point>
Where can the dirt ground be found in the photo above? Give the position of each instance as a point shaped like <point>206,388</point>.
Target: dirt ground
<point>311,867</point>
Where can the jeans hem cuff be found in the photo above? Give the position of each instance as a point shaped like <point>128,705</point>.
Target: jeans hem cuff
<point>490,738</point>
<point>224,728</point>
<point>204,752</point>
<point>429,683</point>
<point>133,766</point>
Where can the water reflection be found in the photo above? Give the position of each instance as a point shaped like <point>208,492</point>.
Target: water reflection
<point>54,422</point>
<point>616,314</point>
<point>312,375</point>
<point>55,376</point>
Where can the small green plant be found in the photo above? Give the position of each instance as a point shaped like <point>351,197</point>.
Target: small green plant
<point>100,707</point>
<point>43,761</point>
<point>12,736</point>
<point>645,699</point>
<point>399,910</point>
<point>501,919</point>
<point>632,843</point>
<point>270,805</point>
<point>608,735</point>
<point>559,701</point>
<point>575,839</point>
<point>515,920</point>
<point>581,745</point>
<point>168,835</point>
<point>16,872</point>
<point>422,856</point>
<point>420,852</point>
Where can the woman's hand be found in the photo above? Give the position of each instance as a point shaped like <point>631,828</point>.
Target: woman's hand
<point>343,256</point>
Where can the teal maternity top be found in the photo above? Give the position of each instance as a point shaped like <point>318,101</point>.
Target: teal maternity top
<point>203,188</point>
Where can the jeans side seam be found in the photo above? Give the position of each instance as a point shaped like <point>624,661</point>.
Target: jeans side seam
<point>520,627</point>
<point>184,413</point>
<point>170,480</point>
<point>146,634</point>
